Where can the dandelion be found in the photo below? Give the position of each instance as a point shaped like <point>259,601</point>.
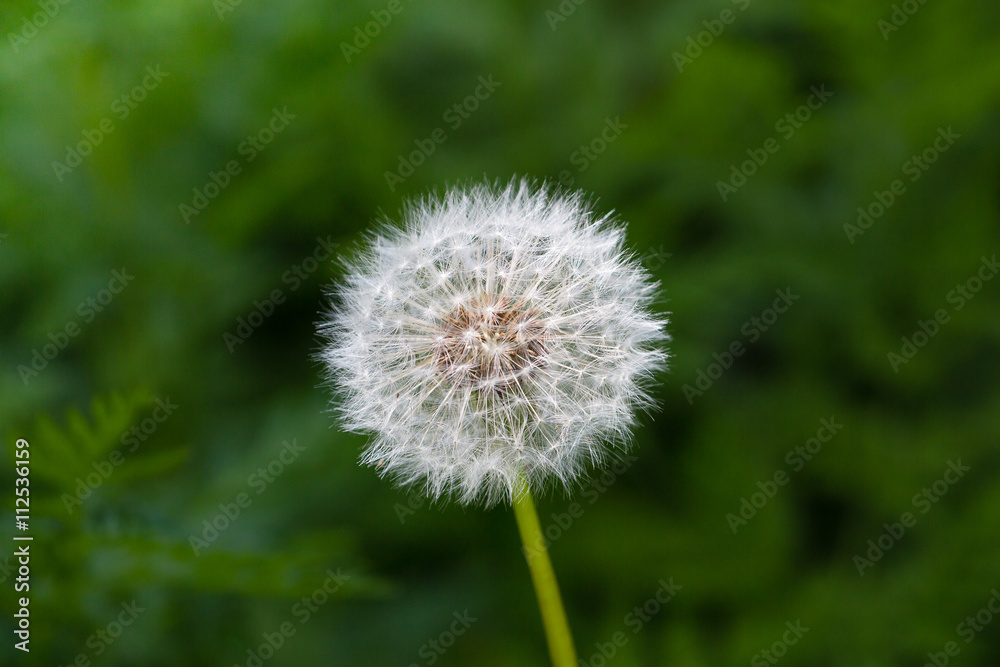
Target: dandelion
<point>499,340</point>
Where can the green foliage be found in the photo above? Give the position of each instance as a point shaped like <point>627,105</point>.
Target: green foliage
<point>66,456</point>
<point>322,180</point>
<point>97,552</point>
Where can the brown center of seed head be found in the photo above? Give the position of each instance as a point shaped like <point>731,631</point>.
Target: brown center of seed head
<point>490,343</point>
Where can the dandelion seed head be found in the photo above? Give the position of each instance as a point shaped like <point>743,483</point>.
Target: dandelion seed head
<point>502,335</point>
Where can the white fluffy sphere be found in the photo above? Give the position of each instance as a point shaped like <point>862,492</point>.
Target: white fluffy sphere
<point>502,336</point>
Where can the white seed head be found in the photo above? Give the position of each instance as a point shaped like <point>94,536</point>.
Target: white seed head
<point>501,337</point>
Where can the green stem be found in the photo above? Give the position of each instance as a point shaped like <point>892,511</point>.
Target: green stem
<point>546,589</point>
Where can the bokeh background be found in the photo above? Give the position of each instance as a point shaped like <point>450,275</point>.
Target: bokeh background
<point>647,106</point>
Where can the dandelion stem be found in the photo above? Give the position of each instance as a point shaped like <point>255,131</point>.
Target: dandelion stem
<point>546,588</point>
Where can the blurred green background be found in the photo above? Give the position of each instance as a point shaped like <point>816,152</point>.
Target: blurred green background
<point>218,154</point>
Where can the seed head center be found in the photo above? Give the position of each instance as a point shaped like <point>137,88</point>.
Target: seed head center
<point>489,343</point>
